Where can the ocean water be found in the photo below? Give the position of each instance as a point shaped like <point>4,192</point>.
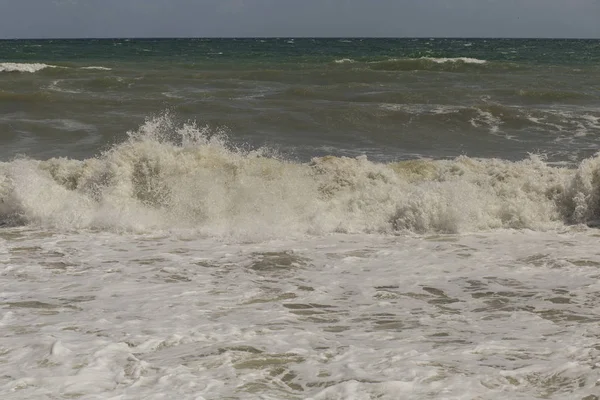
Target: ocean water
<point>300,219</point>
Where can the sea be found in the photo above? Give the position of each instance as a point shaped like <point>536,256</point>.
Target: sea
<point>298,218</point>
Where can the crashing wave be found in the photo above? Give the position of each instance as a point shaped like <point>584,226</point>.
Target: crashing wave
<point>456,64</point>
<point>23,67</point>
<point>168,176</point>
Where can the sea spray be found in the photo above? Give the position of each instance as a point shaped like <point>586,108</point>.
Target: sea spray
<point>168,175</point>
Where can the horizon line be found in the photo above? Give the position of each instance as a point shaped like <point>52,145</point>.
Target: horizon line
<point>299,37</point>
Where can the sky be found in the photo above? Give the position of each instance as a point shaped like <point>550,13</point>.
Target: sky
<point>285,18</point>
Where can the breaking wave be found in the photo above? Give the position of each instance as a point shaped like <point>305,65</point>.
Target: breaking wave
<point>465,60</point>
<point>169,176</point>
<point>344,61</point>
<point>98,68</point>
<point>423,63</point>
<point>457,64</point>
<point>24,67</point>
<point>35,67</point>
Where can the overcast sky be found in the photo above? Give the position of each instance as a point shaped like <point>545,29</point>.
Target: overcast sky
<point>209,18</point>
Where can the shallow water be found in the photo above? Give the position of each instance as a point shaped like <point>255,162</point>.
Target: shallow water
<point>494,315</point>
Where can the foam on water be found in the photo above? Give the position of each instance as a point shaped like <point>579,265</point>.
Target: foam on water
<point>498,315</point>
<point>23,67</point>
<point>184,176</point>
<point>486,118</point>
<point>35,67</point>
<point>420,109</point>
<point>344,61</point>
<point>174,265</point>
<point>453,64</point>
<point>55,87</point>
<point>98,68</point>
<point>466,60</point>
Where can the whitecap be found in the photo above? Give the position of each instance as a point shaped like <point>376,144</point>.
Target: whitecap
<point>55,87</point>
<point>97,68</point>
<point>344,61</point>
<point>171,176</point>
<point>486,118</point>
<point>465,60</point>
<point>23,67</point>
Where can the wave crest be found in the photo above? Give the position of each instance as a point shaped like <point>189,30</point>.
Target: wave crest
<point>167,176</point>
<point>23,67</point>
<point>344,61</point>
<point>97,68</point>
<point>466,60</point>
<point>457,64</point>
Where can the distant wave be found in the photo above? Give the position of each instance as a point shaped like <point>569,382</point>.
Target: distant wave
<point>24,67</point>
<point>422,109</point>
<point>35,67</point>
<point>167,176</point>
<point>465,60</point>
<point>416,62</point>
<point>98,68</point>
<point>456,64</point>
<point>344,61</point>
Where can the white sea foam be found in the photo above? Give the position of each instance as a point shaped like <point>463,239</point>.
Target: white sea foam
<point>97,68</point>
<point>577,124</point>
<point>425,63</point>
<point>55,87</point>
<point>436,109</point>
<point>486,118</point>
<point>172,95</point>
<point>591,123</point>
<point>167,176</point>
<point>497,315</point>
<point>465,60</point>
<point>23,67</point>
<point>345,61</point>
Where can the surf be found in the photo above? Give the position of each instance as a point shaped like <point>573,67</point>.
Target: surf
<point>23,67</point>
<point>169,176</point>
